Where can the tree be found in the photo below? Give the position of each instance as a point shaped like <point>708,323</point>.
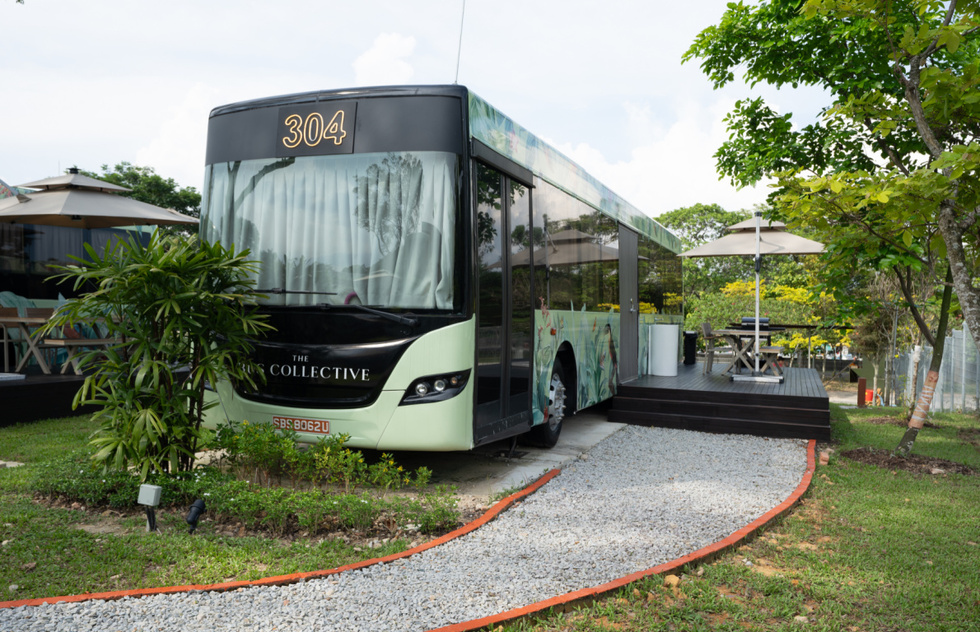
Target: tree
<point>183,312</point>
<point>147,186</point>
<point>895,159</point>
<point>697,225</point>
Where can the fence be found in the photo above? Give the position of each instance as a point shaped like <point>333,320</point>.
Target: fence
<point>958,389</point>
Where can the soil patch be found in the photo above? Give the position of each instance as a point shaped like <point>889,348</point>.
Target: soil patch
<point>914,463</point>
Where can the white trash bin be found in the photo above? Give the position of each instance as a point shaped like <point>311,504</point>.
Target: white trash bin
<point>664,349</point>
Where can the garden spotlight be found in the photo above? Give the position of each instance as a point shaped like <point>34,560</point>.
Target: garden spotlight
<point>195,514</point>
<point>150,496</point>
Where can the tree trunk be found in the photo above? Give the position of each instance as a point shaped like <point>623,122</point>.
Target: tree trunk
<point>890,362</point>
<point>874,381</point>
<point>924,402</point>
<point>914,372</point>
<point>966,292</point>
<point>918,419</point>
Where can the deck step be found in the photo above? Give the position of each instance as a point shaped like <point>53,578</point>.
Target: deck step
<point>726,425</point>
<point>797,408</point>
<point>732,410</point>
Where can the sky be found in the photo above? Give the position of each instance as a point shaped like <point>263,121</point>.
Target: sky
<point>96,82</point>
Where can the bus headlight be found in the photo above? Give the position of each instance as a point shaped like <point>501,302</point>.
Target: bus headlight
<point>435,388</point>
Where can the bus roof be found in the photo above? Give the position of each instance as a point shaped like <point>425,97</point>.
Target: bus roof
<point>491,127</point>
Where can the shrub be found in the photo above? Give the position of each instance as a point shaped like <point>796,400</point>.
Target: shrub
<point>254,448</point>
<point>183,311</point>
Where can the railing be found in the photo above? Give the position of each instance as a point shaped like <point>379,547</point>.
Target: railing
<point>958,389</point>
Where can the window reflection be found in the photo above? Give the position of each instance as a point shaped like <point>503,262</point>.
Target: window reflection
<point>376,229</point>
<point>660,279</point>
<point>578,265</point>
<point>29,254</point>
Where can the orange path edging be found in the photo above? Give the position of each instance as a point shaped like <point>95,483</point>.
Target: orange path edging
<point>705,553</point>
<point>282,580</point>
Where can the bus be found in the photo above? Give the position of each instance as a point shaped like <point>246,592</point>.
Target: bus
<point>438,277</point>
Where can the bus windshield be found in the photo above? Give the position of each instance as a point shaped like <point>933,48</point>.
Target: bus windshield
<point>370,229</point>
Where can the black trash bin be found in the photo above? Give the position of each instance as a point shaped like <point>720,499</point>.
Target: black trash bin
<point>690,347</point>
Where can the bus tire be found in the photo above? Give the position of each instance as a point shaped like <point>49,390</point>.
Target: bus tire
<point>546,435</point>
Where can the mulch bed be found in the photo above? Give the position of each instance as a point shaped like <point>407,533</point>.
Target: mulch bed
<point>912,463</point>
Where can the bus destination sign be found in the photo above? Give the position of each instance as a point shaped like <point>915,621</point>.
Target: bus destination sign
<point>316,130</point>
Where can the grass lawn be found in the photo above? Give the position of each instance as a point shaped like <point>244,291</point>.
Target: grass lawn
<point>63,550</point>
<point>870,547</point>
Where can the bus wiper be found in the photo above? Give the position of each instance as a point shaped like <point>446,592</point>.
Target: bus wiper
<point>279,290</point>
<point>402,320</point>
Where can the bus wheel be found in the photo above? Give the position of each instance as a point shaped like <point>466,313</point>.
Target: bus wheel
<point>546,434</point>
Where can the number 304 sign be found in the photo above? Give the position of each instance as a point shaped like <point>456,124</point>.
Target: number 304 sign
<point>316,130</point>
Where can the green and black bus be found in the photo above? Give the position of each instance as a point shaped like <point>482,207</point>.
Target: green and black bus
<point>438,277</point>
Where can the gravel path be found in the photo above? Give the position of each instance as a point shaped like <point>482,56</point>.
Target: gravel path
<point>640,498</point>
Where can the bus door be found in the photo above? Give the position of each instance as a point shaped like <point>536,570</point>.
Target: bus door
<point>504,306</point>
<point>629,305</point>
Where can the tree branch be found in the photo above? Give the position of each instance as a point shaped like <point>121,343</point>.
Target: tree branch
<point>888,149</point>
<point>906,286</point>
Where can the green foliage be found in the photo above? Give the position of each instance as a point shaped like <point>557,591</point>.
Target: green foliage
<point>182,312</point>
<point>255,449</point>
<point>147,186</point>
<point>781,304</point>
<point>697,225</point>
<point>889,176</point>
<point>74,478</point>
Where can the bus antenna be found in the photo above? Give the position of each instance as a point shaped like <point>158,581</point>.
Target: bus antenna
<point>459,49</point>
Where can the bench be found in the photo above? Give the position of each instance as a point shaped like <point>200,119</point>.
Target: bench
<point>770,359</point>
<point>74,345</point>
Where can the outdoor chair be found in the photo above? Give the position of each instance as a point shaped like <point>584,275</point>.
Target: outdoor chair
<point>711,341</point>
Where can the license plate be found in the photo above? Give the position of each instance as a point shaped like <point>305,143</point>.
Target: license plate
<point>314,426</point>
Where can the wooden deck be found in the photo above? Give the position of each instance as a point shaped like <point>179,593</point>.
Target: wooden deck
<point>799,407</point>
<point>39,397</point>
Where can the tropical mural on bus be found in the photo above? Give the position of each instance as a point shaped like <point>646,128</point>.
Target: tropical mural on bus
<point>595,338</point>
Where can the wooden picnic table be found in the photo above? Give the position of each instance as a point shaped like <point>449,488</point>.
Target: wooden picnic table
<point>742,342</point>
<point>27,326</point>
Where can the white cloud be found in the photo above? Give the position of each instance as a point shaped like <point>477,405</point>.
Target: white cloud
<point>670,166</point>
<point>382,64</point>
<point>176,150</point>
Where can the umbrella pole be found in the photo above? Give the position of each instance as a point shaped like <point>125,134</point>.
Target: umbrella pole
<point>757,375</point>
<point>758,267</point>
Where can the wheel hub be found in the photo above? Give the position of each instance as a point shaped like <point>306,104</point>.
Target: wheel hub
<point>556,402</point>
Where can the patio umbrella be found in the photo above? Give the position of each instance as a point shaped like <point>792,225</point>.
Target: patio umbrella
<point>77,201</point>
<point>751,238</point>
<point>742,241</point>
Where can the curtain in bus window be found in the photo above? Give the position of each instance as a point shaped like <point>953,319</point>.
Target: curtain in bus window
<point>377,229</point>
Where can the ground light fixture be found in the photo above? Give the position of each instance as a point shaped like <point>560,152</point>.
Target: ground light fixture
<point>195,514</point>
<point>150,497</point>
